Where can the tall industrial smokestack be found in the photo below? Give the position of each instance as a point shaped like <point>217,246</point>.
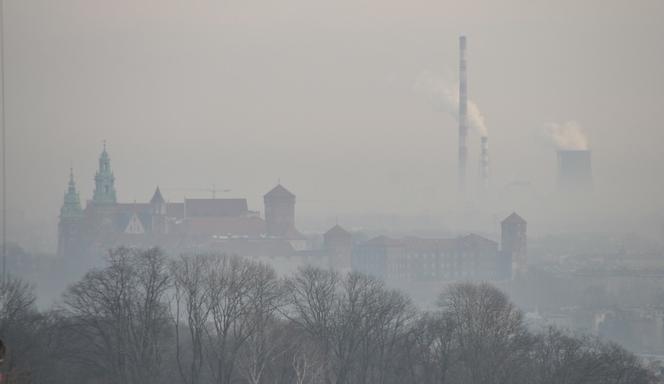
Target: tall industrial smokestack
<point>484,162</point>
<point>463,113</point>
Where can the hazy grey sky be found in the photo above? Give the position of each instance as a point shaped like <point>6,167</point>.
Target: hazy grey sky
<point>321,94</point>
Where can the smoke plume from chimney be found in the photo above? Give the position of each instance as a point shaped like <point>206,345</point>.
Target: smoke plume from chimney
<point>567,136</point>
<point>445,95</point>
<point>484,162</point>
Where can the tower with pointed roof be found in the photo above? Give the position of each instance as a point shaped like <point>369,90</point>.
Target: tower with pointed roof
<point>158,212</point>
<point>514,244</point>
<point>279,212</point>
<point>337,237</point>
<point>71,220</point>
<point>104,193</point>
<point>338,244</point>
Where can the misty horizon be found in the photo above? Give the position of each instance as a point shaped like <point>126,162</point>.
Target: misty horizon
<point>327,101</point>
<point>332,192</point>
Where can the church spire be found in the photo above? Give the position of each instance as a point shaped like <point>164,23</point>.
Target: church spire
<point>158,203</point>
<point>104,181</point>
<point>71,207</point>
<point>72,183</point>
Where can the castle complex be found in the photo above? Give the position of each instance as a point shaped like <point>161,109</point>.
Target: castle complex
<point>191,225</point>
<point>228,226</point>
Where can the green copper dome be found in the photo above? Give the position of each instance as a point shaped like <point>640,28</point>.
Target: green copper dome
<point>104,181</point>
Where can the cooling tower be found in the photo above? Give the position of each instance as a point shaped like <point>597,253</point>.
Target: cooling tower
<point>574,169</point>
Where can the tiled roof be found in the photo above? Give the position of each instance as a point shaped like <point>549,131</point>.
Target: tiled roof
<point>384,241</point>
<point>279,191</point>
<point>215,207</point>
<point>222,226</point>
<point>133,207</point>
<point>293,234</point>
<point>419,244</point>
<point>175,210</point>
<point>157,198</point>
<point>514,219</point>
<point>122,218</point>
<point>336,232</point>
<point>473,239</point>
<point>428,245</point>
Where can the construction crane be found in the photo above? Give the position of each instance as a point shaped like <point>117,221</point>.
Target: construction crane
<point>212,190</point>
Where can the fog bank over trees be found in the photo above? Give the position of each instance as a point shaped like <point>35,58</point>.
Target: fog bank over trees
<point>145,318</point>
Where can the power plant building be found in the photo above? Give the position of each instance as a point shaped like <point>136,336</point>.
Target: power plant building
<point>574,170</point>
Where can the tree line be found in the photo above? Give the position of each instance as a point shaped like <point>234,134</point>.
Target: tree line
<point>197,319</point>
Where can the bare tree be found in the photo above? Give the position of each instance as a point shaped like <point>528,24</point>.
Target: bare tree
<point>265,340</point>
<point>17,301</point>
<point>312,296</point>
<point>488,334</point>
<point>241,296</point>
<point>307,361</point>
<point>355,321</point>
<point>621,367</point>
<point>234,317</point>
<point>385,317</point>
<point>121,313</point>
<point>262,350</point>
<point>20,328</point>
<point>561,358</point>
<point>191,311</point>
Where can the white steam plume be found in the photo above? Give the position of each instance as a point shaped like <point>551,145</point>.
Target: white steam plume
<point>568,135</point>
<point>446,95</point>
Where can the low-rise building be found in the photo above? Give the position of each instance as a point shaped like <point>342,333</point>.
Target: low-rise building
<point>415,259</point>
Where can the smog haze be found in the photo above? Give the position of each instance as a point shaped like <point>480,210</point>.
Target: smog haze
<point>324,97</point>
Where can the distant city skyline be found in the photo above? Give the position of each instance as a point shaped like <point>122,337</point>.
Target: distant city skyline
<point>322,96</point>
